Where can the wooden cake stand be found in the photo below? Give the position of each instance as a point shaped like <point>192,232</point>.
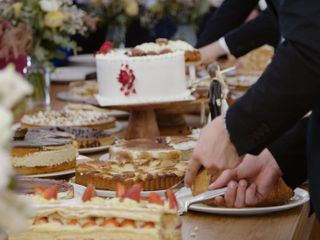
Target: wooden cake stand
<point>143,122</point>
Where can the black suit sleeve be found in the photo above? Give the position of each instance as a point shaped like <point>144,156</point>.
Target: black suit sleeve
<point>290,152</point>
<point>253,34</point>
<point>228,17</point>
<point>286,91</point>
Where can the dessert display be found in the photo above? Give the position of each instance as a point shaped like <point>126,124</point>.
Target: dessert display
<point>279,195</point>
<point>27,185</point>
<point>127,216</point>
<point>124,78</point>
<point>164,46</point>
<point>38,151</point>
<point>83,89</point>
<point>87,137</point>
<point>154,165</point>
<point>92,119</point>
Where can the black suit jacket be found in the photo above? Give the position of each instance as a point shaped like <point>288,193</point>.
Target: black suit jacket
<point>240,38</point>
<point>287,90</point>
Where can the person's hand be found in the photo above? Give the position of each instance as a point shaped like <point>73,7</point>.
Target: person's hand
<point>213,150</point>
<point>211,52</point>
<point>250,182</point>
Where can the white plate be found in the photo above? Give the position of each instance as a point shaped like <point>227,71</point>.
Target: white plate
<point>83,59</point>
<point>104,157</point>
<point>80,159</point>
<point>79,189</point>
<point>72,73</point>
<point>301,196</point>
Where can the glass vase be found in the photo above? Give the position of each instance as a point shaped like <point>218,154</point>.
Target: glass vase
<point>117,35</point>
<point>39,77</point>
<point>186,32</point>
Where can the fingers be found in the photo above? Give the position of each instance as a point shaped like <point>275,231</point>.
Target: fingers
<point>241,194</point>
<point>223,179</point>
<point>251,195</point>
<point>192,171</point>
<point>230,195</point>
<point>219,201</point>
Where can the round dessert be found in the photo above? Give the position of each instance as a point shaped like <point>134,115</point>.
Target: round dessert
<point>139,79</point>
<point>87,137</point>
<point>154,165</point>
<point>92,119</point>
<point>37,151</point>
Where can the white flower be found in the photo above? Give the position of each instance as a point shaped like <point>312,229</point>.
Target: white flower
<point>12,87</point>
<point>16,208</point>
<point>5,169</point>
<point>50,5</point>
<point>5,126</point>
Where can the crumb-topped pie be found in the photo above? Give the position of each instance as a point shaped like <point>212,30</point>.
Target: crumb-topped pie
<point>152,164</point>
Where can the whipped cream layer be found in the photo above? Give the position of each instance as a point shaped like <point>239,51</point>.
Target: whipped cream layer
<point>48,156</point>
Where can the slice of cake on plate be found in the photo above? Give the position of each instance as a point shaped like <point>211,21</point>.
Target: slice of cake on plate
<point>154,165</point>
<point>38,151</point>
<point>126,217</point>
<point>92,119</point>
<point>279,195</point>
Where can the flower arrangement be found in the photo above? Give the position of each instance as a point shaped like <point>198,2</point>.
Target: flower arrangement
<point>51,22</point>
<point>12,88</point>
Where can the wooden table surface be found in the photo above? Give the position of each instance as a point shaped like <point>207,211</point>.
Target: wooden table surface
<point>291,224</point>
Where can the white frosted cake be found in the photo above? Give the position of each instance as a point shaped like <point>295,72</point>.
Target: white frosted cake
<point>127,79</point>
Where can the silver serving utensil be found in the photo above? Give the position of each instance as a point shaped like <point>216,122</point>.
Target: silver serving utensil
<point>185,203</point>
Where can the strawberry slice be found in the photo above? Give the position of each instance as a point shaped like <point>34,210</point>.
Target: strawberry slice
<point>148,225</point>
<point>89,193</point>
<point>39,190</point>
<point>111,222</point>
<point>50,193</point>
<point>134,193</point>
<point>89,223</point>
<point>172,199</point>
<point>155,198</point>
<point>57,220</point>
<point>40,220</point>
<point>120,190</point>
<point>128,223</point>
<point>73,222</point>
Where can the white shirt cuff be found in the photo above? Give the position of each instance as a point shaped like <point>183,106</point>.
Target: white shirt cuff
<point>223,44</point>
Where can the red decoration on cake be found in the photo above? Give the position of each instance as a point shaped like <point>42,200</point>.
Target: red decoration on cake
<point>105,48</point>
<point>127,78</point>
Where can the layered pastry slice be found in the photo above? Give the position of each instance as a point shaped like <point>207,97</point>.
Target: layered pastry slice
<point>152,164</point>
<point>279,195</point>
<point>37,151</point>
<point>126,217</point>
<point>92,119</point>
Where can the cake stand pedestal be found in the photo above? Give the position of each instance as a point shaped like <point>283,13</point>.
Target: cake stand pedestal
<point>143,122</point>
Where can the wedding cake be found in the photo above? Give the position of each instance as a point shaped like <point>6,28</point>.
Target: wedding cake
<point>133,77</point>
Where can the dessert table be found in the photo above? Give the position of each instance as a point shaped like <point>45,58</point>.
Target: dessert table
<point>290,224</point>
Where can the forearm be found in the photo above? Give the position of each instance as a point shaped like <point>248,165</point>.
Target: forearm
<point>276,102</point>
<point>255,33</point>
<point>229,16</point>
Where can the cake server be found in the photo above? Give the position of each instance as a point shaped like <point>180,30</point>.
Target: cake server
<point>184,204</point>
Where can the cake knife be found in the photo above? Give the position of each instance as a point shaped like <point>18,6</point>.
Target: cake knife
<point>184,204</point>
